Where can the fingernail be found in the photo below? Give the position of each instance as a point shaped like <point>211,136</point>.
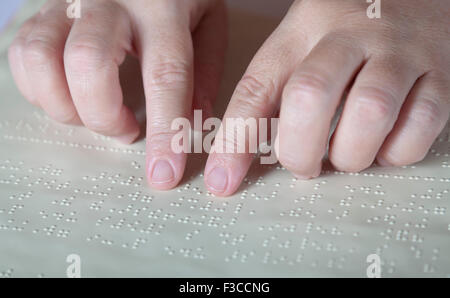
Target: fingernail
<point>162,172</point>
<point>218,179</point>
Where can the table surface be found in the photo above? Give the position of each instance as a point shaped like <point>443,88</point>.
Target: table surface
<point>65,190</point>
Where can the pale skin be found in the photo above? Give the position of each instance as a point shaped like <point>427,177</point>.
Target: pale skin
<point>396,71</point>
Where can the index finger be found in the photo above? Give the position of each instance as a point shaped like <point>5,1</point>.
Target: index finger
<point>256,97</point>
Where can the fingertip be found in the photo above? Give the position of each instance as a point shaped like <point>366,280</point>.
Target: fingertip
<point>165,172</point>
<point>129,129</point>
<point>217,180</point>
<point>350,167</point>
<point>224,174</point>
<point>161,174</point>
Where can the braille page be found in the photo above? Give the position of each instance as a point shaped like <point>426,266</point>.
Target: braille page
<point>66,191</point>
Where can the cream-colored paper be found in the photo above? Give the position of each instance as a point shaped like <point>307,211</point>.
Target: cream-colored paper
<point>64,190</point>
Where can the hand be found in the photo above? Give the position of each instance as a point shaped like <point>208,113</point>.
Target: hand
<point>395,68</point>
<point>70,68</point>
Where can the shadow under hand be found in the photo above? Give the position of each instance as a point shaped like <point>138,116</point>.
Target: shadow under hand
<point>247,32</point>
<point>133,90</point>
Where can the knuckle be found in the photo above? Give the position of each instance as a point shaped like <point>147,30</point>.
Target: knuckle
<point>15,49</point>
<point>308,84</point>
<point>234,140</point>
<point>374,104</point>
<point>168,75</point>
<point>427,112</point>
<point>159,142</point>
<point>160,136</point>
<point>38,54</point>
<point>307,90</point>
<point>86,54</point>
<point>255,93</point>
